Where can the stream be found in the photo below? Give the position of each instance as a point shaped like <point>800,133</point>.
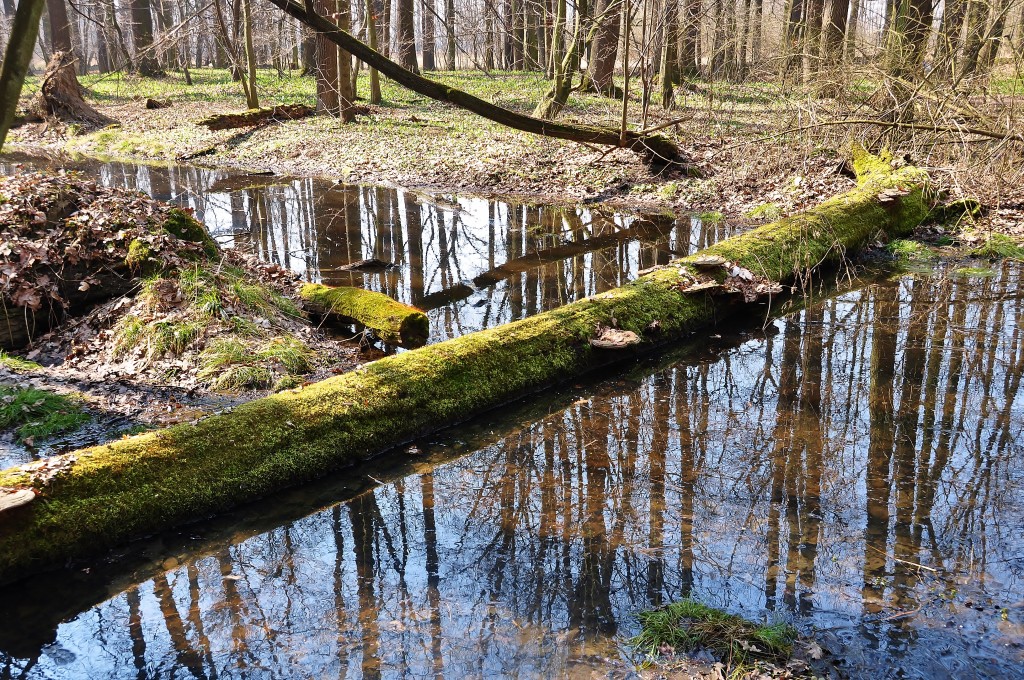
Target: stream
<point>854,467</point>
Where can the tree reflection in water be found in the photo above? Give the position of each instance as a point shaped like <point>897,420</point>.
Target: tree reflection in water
<point>859,471</point>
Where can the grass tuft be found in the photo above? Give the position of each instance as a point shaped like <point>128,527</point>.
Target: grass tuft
<point>230,364</point>
<point>999,246</point>
<point>765,211</point>
<point>906,250</point>
<point>38,414</point>
<point>687,625</point>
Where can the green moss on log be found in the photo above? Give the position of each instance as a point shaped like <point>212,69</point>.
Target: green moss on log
<point>156,480</point>
<point>392,321</point>
<point>185,227</point>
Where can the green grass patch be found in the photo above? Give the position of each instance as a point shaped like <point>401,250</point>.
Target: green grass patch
<point>998,247</point>
<point>231,364</point>
<point>711,217</point>
<point>975,271</point>
<point>17,364</point>
<point>765,211</point>
<point>38,414</point>
<point>687,625</point>
<point>907,250</point>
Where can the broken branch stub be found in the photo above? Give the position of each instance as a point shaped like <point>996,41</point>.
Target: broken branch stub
<point>153,481</point>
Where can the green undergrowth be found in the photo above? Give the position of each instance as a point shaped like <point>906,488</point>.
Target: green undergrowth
<point>765,211</point>
<point>689,625</point>
<point>906,250</point>
<point>181,310</point>
<point>38,414</point>
<point>17,364</point>
<point>998,247</point>
<point>233,364</point>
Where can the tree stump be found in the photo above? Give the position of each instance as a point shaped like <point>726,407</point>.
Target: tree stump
<point>60,95</point>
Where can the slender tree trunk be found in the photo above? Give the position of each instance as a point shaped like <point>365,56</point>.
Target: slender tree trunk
<point>990,51</point>
<point>449,27</point>
<point>689,40</point>
<point>406,36</point>
<point>489,36</point>
<point>427,29</point>
<point>17,56</point>
<point>851,30</point>
<point>371,35</point>
<point>743,21</point>
<point>252,99</point>
<point>669,56</point>
<point>346,85</point>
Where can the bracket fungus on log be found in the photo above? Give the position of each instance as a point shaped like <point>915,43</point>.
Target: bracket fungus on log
<point>153,481</point>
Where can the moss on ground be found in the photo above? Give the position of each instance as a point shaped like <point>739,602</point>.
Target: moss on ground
<point>688,625</point>
<point>155,480</point>
<point>17,364</point>
<point>38,414</point>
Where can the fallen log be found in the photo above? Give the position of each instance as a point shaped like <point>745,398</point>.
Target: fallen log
<point>228,121</point>
<point>392,321</point>
<point>657,149</point>
<point>94,498</point>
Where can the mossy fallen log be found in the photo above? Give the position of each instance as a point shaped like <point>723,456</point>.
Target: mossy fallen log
<point>94,498</point>
<point>392,321</point>
<point>227,121</point>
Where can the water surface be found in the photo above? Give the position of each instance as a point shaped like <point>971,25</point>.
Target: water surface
<point>856,469</point>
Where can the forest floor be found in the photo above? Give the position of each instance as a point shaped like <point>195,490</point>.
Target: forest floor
<point>761,147</point>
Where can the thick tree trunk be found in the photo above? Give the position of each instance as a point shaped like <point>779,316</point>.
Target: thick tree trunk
<point>60,26</point>
<point>252,99</point>
<point>150,482</point>
<point>605,47</point>
<point>835,32</point>
<point>851,30</point>
<point>427,30</point>
<point>657,149</point>
<point>142,31</point>
<point>689,40</point>
<point>669,56</point>
<point>371,35</point>
<point>405,36</point>
<point>947,45</point>
<point>812,39</point>
<point>327,93</point>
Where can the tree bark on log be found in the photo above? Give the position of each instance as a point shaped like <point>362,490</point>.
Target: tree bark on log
<point>135,486</point>
<point>392,321</point>
<point>657,149</point>
<point>228,121</point>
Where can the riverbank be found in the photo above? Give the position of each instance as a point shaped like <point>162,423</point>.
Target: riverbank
<point>742,138</point>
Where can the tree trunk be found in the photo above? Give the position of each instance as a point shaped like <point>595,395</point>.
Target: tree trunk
<point>346,85</point>
<point>657,149</point>
<point>405,36</point>
<point>909,29</point>
<point>851,30</point>
<point>756,23</point>
<point>252,99</point>
<point>990,51</point>
<point>60,95</point>
<point>835,32</point>
<point>605,47</point>
<point>489,36</point>
<point>371,35</point>
<point>427,29</point>
<point>950,37</point>
<point>60,26</point>
<point>689,40</point>
<point>558,94</point>
<point>669,56</point>
<point>449,28</point>
<point>142,31</point>
<point>17,57</point>
<point>151,482</point>
<point>812,40</point>
<point>327,94</point>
